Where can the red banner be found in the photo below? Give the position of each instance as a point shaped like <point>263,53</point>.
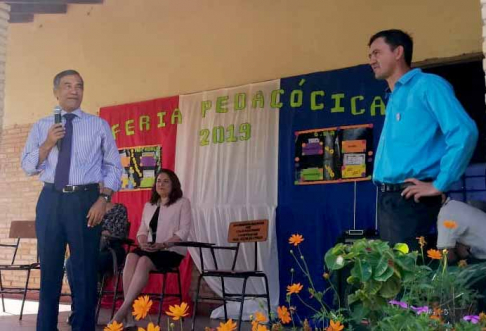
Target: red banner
<point>152,122</point>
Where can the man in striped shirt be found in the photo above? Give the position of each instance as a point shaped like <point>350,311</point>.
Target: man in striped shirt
<point>73,159</point>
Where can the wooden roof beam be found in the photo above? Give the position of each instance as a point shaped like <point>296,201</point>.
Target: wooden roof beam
<point>21,18</point>
<point>38,9</point>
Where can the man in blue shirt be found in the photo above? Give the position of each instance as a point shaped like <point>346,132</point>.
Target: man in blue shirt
<point>426,143</point>
<point>72,159</point>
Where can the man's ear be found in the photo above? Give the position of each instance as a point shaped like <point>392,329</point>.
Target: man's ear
<point>399,52</point>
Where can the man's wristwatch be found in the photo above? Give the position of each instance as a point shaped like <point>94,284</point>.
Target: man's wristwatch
<point>107,197</point>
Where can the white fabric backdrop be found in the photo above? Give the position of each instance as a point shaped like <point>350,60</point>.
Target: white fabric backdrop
<point>232,181</point>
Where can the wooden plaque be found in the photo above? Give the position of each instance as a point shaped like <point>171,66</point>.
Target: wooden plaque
<point>248,231</point>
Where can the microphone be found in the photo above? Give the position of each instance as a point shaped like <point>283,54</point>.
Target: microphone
<point>58,119</point>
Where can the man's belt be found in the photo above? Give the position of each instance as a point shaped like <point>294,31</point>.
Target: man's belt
<point>73,188</point>
<point>384,187</point>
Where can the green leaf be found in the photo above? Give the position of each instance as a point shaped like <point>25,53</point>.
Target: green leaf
<point>361,270</point>
<point>401,247</point>
<point>382,266</point>
<point>385,276</point>
<point>372,287</point>
<point>334,262</point>
<point>390,288</point>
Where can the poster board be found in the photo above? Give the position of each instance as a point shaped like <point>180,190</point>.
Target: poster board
<point>334,155</point>
<point>140,165</point>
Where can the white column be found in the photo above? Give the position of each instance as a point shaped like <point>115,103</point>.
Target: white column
<point>4,17</point>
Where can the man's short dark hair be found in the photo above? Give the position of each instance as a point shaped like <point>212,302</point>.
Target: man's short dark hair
<point>59,76</point>
<point>396,38</point>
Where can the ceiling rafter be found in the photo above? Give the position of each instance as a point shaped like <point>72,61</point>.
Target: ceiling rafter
<point>23,11</point>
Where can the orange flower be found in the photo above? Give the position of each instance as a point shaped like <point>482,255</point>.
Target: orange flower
<point>450,224</point>
<point>283,314</point>
<point>260,317</point>
<point>335,326</point>
<point>228,326</point>
<point>421,241</point>
<point>261,328</point>
<point>141,307</point>
<point>296,239</point>
<point>150,327</point>
<point>114,326</point>
<point>294,288</point>
<point>177,311</point>
<point>434,254</point>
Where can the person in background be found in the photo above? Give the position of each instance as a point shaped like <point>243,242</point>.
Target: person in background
<point>426,143</point>
<point>462,230</point>
<point>166,219</point>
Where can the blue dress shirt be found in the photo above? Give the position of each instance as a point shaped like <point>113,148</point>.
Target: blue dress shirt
<point>94,158</point>
<point>427,134</point>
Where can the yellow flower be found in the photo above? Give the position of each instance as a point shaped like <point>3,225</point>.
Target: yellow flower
<point>296,239</point>
<point>482,317</point>
<point>228,326</point>
<point>177,311</point>
<point>326,275</point>
<point>434,254</point>
<point>261,328</point>
<point>283,314</point>
<point>294,288</point>
<point>114,327</point>
<point>150,327</point>
<point>421,241</point>
<point>260,317</point>
<point>462,264</point>
<point>450,224</point>
<point>335,326</point>
<point>141,307</point>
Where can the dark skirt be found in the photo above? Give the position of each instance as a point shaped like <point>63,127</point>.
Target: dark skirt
<point>161,259</point>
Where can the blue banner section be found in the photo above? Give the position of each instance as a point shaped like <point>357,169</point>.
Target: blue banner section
<point>322,212</point>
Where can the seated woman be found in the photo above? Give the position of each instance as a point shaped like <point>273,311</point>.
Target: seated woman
<point>166,219</point>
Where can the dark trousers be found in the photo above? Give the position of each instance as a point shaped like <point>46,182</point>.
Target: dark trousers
<point>402,221</point>
<point>105,266</point>
<point>60,220</point>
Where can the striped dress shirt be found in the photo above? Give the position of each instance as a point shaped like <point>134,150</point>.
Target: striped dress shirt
<point>94,158</point>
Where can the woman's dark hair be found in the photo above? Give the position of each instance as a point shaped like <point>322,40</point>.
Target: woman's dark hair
<point>395,38</point>
<point>176,192</point>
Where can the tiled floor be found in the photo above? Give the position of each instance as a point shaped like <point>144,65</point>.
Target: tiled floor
<point>9,321</point>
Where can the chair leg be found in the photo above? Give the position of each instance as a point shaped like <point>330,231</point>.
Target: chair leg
<point>193,325</point>
<point>25,294</point>
<point>180,286</point>
<point>100,297</point>
<point>1,289</point>
<point>164,281</point>
<point>243,292</point>
<point>115,294</point>
<point>267,292</point>
<point>224,299</point>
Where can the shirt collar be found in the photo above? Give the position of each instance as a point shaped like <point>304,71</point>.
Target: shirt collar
<point>408,76</point>
<point>78,112</point>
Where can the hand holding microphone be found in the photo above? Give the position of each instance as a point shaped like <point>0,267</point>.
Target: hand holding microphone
<point>56,132</point>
